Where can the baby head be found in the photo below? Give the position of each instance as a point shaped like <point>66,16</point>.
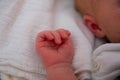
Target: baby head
<point>102,17</point>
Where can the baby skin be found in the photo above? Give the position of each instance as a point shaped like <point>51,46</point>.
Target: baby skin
<point>102,17</point>
<point>56,50</point>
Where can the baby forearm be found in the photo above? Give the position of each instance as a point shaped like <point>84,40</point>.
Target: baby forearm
<point>60,73</point>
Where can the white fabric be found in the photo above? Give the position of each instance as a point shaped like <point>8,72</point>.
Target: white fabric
<point>106,59</point>
<point>4,76</point>
<point>21,20</point>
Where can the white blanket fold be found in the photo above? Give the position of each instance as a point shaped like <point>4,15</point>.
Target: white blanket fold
<point>22,20</point>
<point>107,61</point>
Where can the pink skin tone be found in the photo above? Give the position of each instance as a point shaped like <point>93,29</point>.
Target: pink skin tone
<point>105,19</point>
<point>56,50</point>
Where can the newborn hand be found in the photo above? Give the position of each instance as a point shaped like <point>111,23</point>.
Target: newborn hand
<point>55,48</point>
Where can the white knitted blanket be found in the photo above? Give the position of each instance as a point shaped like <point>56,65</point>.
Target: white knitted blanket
<point>21,20</point>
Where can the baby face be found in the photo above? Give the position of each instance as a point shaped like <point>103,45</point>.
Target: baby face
<point>108,18</point>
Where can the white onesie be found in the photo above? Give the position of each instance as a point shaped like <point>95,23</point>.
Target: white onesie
<point>106,62</point>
